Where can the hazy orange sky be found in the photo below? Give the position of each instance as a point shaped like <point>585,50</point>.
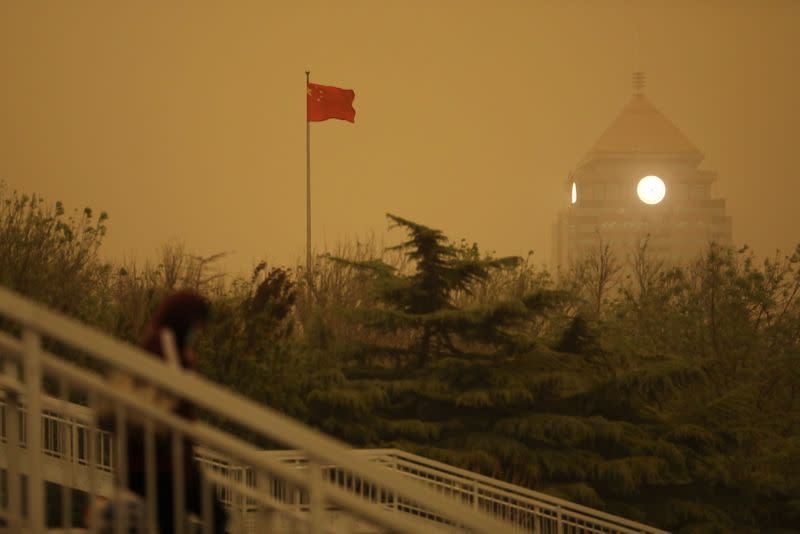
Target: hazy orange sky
<point>187,120</point>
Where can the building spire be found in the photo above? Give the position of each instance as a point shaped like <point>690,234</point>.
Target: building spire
<point>638,82</point>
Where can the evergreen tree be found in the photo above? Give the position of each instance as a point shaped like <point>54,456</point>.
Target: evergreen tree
<point>468,385</point>
<point>601,420</point>
<point>432,342</point>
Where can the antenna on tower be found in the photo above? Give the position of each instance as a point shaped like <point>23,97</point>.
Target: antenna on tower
<point>638,82</point>
<point>638,75</point>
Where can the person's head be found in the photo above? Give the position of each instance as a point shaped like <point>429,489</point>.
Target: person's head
<point>184,312</point>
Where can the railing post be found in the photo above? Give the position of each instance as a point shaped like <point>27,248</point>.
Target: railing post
<point>92,463</point>
<point>393,504</point>
<point>151,486</point>
<point>239,501</point>
<point>179,482</point>
<point>33,380</point>
<point>207,513</point>
<point>560,522</point>
<point>67,429</point>
<point>122,512</point>
<point>13,481</point>
<point>316,496</point>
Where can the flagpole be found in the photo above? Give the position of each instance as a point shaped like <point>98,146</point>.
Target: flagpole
<point>308,188</point>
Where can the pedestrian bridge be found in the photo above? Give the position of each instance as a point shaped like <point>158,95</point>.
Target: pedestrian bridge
<point>316,484</point>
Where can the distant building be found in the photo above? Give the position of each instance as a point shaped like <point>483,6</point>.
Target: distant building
<point>641,180</point>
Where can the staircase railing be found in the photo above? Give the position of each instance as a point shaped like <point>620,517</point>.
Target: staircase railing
<point>528,510</point>
<point>65,438</point>
<point>75,454</point>
<point>29,370</point>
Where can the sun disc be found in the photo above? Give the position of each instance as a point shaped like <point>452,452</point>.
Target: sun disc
<point>651,190</point>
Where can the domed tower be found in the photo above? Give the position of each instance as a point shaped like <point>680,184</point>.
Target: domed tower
<point>640,180</point>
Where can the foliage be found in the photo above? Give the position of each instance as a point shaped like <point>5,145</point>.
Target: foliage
<point>52,256</point>
<point>667,393</point>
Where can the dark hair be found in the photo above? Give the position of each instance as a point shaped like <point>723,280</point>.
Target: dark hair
<point>180,312</point>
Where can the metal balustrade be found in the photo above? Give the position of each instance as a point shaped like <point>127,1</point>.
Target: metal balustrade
<point>529,510</point>
<point>316,485</point>
<point>66,438</point>
<point>30,370</point>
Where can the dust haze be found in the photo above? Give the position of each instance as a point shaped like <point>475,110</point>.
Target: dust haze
<point>188,123</point>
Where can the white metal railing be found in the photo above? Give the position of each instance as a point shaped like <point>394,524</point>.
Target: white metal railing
<point>272,491</point>
<point>321,506</point>
<point>528,510</point>
<point>63,436</point>
<point>66,438</point>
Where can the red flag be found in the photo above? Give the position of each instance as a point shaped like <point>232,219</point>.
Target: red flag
<point>325,102</point>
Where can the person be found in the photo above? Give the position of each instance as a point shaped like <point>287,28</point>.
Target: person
<point>181,315</point>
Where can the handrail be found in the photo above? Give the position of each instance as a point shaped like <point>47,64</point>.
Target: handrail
<point>457,480</point>
<point>511,489</point>
<point>260,419</point>
<point>442,492</point>
<point>240,449</point>
<point>469,484</point>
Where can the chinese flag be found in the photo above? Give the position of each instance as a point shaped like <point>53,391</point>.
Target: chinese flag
<point>325,102</point>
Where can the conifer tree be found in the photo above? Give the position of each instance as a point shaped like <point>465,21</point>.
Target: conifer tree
<point>602,420</point>
<point>467,385</point>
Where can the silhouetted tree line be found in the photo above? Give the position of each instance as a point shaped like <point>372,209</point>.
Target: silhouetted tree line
<point>665,393</point>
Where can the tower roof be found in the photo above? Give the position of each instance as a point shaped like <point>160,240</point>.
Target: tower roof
<point>641,129</point>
